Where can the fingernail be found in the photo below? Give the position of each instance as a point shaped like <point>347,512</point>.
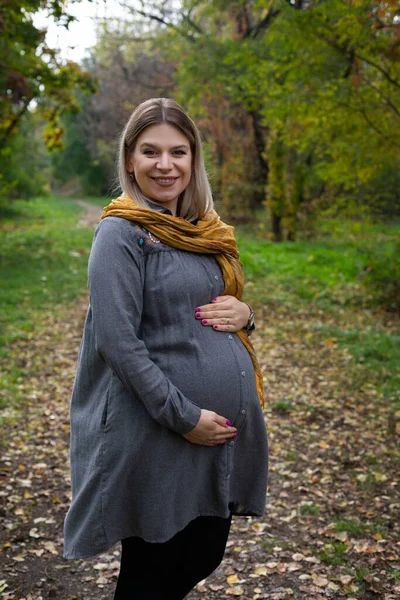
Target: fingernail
<point>215,326</point>
<point>198,315</point>
<point>213,299</point>
<point>204,321</point>
<point>226,441</point>
<point>235,434</point>
<point>197,309</point>
<point>228,423</point>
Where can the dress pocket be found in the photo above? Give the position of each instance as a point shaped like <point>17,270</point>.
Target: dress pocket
<point>104,416</point>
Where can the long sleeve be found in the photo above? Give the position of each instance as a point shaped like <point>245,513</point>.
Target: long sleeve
<point>116,279</point>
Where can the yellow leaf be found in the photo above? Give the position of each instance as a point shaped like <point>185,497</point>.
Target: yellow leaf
<point>261,571</point>
<point>232,579</point>
<point>333,586</point>
<point>19,557</point>
<point>50,547</point>
<point>380,477</point>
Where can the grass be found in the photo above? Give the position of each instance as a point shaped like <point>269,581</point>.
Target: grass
<point>310,509</point>
<point>43,256</point>
<point>352,527</point>
<point>329,272</point>
<point>375,356</point>
<point>283,406</point>
<point>329,280</point>
<point>334,554</point>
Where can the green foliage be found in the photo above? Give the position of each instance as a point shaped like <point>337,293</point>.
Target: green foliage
<point>299,102</point>
<point>32,78</point>
<point>31,71</point>
<point>75,162</point>
<point>324,75</point>
<point>25,165</point>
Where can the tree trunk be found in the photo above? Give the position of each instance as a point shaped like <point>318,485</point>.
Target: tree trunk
<point>276,227</point>
<point>260,145</point>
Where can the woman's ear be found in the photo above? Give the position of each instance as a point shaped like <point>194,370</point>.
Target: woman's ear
<point>128,160</point>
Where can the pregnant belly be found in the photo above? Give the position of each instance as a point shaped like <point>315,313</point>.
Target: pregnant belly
<point>215,373</point>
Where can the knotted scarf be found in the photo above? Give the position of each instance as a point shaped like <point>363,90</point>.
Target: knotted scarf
<point>209,236</point>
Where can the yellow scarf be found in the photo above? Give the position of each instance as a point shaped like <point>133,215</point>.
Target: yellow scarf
<point>209,236</point>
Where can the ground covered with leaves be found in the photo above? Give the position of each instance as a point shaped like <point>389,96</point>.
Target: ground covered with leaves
<point>331,528</point>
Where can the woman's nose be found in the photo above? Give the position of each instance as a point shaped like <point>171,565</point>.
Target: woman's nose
<point>164,162</point>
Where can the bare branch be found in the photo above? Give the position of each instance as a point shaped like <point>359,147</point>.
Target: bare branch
<point>162,20</point>
<point>375,128</point>
<point>384,98</point>
<point>263,24</point>
<point>380,69</point>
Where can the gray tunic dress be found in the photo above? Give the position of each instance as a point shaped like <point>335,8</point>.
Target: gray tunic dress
<point>146,367</point>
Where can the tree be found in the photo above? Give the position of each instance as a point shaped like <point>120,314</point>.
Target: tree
<point>127,73</point>
<point>298,101</point>
<point>32,77</point>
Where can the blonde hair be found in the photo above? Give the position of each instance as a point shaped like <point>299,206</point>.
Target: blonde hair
<point>196,200</point>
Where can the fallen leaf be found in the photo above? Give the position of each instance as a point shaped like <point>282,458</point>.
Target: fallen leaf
<point>34,533</point>
<point>235,591</point>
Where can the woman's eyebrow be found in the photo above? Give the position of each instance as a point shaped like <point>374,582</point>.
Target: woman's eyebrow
<point>149,144</point>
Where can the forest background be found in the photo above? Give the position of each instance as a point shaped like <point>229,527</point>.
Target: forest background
<point>298,102</point>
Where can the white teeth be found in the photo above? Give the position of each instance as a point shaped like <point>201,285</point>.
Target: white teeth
<point>164,180</point>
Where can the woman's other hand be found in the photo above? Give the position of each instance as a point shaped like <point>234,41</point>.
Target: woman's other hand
<point>224,313</point>
<point>211,430</point>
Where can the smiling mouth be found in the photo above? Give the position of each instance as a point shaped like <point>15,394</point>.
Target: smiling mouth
<point>164,180</point>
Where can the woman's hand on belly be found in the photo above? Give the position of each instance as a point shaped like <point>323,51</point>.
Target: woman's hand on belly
<point>226,313</point>
<point>212,429</point>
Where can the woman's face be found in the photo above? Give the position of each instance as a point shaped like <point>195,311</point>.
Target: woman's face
<point>162,164</point>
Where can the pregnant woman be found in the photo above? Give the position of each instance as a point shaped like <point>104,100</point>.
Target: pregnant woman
<point>168,439</point>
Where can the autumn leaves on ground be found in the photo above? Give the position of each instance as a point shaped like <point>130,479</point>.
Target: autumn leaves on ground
<point>331,527</point>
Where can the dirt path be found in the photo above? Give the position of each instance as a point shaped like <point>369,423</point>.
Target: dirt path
<point>92,214</point>
<point>331,529</point>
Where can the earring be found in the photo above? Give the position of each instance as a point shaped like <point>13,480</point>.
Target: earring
<point>131,176</point>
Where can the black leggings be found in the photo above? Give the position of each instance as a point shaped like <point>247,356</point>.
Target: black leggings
<point>170,570</point>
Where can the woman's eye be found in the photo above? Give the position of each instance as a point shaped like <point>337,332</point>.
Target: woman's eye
<point>181,152</point>
<point>149,152</point>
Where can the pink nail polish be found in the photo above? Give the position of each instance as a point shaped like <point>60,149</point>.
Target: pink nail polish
<point>204,321</point>
<point>228,423</point>
<point>213,299</point>
<point>215,326</point>
<point>197,309</point>
<point>198,315</point>
<point>226,441</point>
